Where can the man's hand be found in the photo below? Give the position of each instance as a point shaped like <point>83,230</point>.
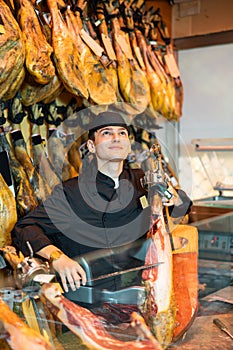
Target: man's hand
<point>70,272</point>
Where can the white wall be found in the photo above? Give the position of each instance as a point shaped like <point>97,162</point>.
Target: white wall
<point>207,76</point>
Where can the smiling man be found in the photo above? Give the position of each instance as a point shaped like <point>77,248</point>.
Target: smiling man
<point>101,208</point>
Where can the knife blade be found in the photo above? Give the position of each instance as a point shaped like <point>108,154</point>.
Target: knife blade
<point>222,327</point>
<point>113,274</point>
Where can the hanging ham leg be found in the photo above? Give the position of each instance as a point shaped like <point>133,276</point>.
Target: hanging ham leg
<point>107,42</point>
<point>95,76</point>
<point>25,198</point>
<point>40,158</point>
<point>171,66</point>
<point>8,213</point>
<point>87,326</point>
<point>73,136</point>
<point>12,49</point>
<point>66,56</point>
<point>15,86</point>
<point>40,188</point>
<point>152,77</point>
<point>38,50</point>
<point>128,15</point>
<point>56,146</point>
<point>32,92</point>
<point>132,80</point>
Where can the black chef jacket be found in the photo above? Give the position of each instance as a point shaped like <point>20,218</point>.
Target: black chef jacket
<point>86,213</point>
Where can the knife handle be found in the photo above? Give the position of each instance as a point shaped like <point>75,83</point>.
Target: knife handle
<point>219,324</point>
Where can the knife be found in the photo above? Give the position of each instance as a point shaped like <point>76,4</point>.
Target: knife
<point>222,326</point>
<point>117,273</point>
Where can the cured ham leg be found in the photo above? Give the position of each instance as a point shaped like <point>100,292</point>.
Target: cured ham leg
<point>12,49</point>
<point>25,198</point>
<point>40,158</point>
<point>157,98</point>
<point>32,92</point>
<point>167,89</point>
<point>38,50</point>
<point>40,188</point>
<point>159,308</point>
<point>8,213</point>
<point>14,87</point>
<point>88,326</point>
<point>168,109</point>
<point>96,77</point>
<point>19,335</point>
<point>57,146</point>
<point>128,16</point>
<point>73,133</point>
<point>107,42</point>
<point>66,56</point>
<point>132,80</point>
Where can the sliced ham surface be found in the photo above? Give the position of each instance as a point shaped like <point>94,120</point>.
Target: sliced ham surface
<point>88,327</point>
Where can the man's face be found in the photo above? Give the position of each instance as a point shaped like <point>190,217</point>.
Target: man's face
<point>111,143</point>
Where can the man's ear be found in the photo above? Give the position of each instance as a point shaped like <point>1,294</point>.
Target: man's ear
<point>91,146</point>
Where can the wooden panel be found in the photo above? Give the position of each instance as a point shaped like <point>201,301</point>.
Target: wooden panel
<point>203,40</point>
<point>211,25</point>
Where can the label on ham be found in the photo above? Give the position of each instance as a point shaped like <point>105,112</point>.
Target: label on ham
<point>94,46</point>
<point>108,47</point>
<point>139,57</point>
<point>172,65</point>
<point>124,46</point>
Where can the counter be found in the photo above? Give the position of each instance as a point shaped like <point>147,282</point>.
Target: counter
<point>203,334</point>
<point>215,294</point>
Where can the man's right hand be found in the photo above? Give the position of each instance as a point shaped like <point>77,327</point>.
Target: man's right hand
<point>70,272</point>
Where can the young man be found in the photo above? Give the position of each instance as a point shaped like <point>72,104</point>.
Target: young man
<point>99,209</point>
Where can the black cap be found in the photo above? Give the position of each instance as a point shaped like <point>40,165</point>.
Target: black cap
<point>106,119</point>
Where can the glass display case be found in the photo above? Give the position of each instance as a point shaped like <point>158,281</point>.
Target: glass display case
<point>215,273</point>
<point>215,250</point>
<point>215,156</point>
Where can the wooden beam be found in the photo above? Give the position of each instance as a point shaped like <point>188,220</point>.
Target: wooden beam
<point>210,39</point>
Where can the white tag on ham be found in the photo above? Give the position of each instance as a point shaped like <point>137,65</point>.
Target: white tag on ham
<point>89,327</point>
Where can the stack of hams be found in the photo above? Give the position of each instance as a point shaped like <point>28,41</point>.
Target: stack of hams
<point>94,52</point>
<point>101,52</point>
